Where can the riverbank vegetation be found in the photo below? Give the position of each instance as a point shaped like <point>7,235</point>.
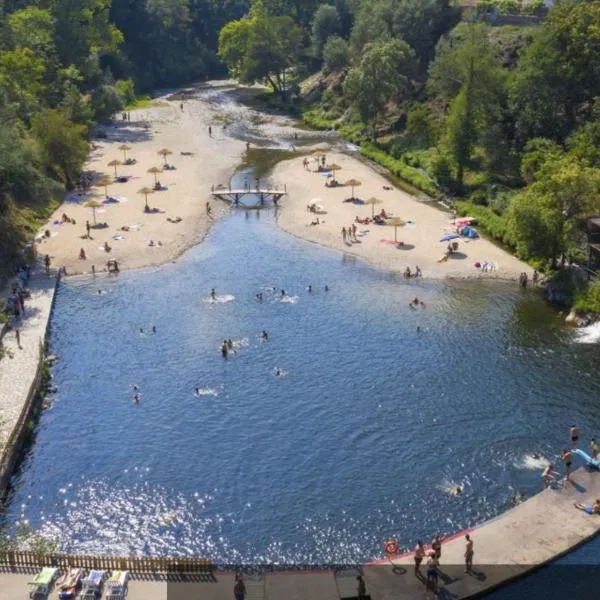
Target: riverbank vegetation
<point>494,107</point>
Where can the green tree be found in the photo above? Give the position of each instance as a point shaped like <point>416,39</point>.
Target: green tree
<point>558,75</point>
<point>543,219</point>
<point>418,22</point>
<point>336,54</point>
<point>466,74</point>
<point>326,23</point>
<point>382,74</point>
<point>261,48</point>
<point>419,128</point>
<point>64,146</point>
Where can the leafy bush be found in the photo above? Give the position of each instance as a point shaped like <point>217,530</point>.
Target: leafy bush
<point>589,299</point>
<point>487,220</point>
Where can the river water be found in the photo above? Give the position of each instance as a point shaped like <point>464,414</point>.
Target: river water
<point>380,412</point>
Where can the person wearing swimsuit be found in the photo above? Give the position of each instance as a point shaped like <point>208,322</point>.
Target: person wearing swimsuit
<point>419,555</point>
<point>567,458</point>
<point>574,435</point>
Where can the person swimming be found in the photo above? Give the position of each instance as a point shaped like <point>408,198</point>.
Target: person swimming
<point>259,296</point>
<point>278,372</point>
<point>136,398</point>
<point>197,391</point>
<point>224,350</point>
<point>309,289</point>
<point>283,294</point>
<point>458,491</point>
<point>230,344</point>
<point>264,336</point>
<point>136,387</point>
<point>326,288</point>
<point>213,295</point>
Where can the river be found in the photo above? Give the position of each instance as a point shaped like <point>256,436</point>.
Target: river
<point>380,412</point>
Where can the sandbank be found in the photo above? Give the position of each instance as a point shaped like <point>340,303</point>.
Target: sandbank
<point>426,224</point>
<point>207,161</point>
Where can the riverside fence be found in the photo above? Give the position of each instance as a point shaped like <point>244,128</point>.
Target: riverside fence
<point>19,559</point>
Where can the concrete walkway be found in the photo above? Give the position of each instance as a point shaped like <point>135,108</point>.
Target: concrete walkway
<point>17,373</point>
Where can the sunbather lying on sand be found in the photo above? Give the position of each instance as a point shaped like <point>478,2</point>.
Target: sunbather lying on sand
<point>590,510</point>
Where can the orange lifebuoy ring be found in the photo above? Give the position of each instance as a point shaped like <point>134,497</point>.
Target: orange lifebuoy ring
<point>391,546</point>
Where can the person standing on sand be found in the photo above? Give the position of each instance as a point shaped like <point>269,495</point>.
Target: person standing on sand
<point>344,234</point>
<point>208,209</point>
<point>574,435</point>
<point>209,131</point>
<point>469,554</point>
<point>18,336</point>
<point>567,458</point>
<point>88,228</point>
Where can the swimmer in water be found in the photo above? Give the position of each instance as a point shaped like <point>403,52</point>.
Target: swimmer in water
<point>264,336</point>
<point>196,391</point>
<point>224,351</point>
<point>259,296</point>
<point>283,294</point>
<point>153,328</point>
<point>278,372</point>
<point>418,329</point>
<point>141,330</point>
<point>230,344</point>
<point>536,456</point>
<point>309,289</point>
<point>326,288</point>
<point>136,387</point>
<point>458,490</point>
<point>136,398</point>
<point>213,295</point>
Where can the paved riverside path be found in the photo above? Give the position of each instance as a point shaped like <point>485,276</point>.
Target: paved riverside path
<point>17,373</point>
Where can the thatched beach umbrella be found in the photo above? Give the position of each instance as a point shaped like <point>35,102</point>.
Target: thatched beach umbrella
<point>93,204</point>
<point>146,191</point>
<point>373,202</point>
<point>333,168</point>
<point>353,183</point>
<point>115,164</point>
<point>124,148</point>
<point>396,222</point>
<point>155,171</point>
<point>104,182</point>
<point>164,152</point>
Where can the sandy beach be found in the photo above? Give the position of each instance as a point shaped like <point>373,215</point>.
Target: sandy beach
<point>425,224</point>
<point>139,239</point>
<point>211,160</point>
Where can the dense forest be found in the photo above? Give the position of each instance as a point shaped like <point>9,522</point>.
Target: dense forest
<point>495,105</point>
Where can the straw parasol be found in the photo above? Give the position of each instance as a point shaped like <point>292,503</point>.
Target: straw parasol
<point>353,183</point>
<point>146,191</point>
<point>373,202</point>
<point>104,182</point>
<point>155,171</point>
<point>333,168</point>
<point>115,164</point>
<point>124,148</point>
<point>93,204</point>
<point>164,152</point>
<point>396,222</point>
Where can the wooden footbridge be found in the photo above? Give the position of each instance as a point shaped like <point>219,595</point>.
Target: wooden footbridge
<point>235,195</point>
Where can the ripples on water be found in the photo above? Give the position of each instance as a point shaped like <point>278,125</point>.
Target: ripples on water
<point>364,437</point>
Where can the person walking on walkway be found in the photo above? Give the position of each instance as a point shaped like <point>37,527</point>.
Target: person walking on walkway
<point>574,435</point>
<point>361,588</point>
<point>239,589</point>
<point>436,546</point>
<point>567,458</point>
<point>419,555</point>
<point>18,336</point>
<point>469,554</point>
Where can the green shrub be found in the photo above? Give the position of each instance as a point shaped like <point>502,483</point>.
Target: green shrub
<point>400,169</point>
<point>589,299</point>
<point>487,220</point>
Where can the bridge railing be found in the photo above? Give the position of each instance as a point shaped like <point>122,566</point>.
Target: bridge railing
<point>134,564</point>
